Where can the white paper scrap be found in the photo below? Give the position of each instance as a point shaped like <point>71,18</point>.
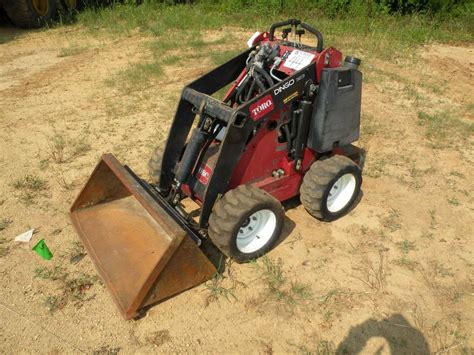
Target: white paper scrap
<point>25,237</point>
<point>298,60</point>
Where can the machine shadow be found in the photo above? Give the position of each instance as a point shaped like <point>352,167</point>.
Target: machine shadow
<point>401,337</point>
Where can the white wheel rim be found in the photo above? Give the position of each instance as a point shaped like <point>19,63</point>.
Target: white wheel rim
<point>255,233</point>
<point>341,193</point>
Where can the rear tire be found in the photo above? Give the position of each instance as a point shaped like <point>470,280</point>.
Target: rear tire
<point>31,13</point>
<point>154,164</point>
<point>330,187</point>
<point>246,223</point>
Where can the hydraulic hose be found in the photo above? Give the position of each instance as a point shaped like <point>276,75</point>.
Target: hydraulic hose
<point>267,77</point>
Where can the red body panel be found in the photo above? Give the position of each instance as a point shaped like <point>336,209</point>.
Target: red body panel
<point>264,154</point>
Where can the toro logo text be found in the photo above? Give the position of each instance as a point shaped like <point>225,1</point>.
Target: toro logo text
<point>261,107</point>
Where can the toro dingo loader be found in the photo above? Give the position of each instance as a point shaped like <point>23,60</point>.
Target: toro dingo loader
<point>284,129</point>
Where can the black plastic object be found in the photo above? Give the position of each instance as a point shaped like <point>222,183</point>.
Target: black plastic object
<point>304,112</point>
<point>336,112</point>
<point>352,62</point>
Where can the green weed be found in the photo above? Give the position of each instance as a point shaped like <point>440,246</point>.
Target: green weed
<point>445,129</point>
<point>30,182</point>
<point>454,201</point>
<point>392,221</point>
<point>217,290</point>
<point>323,347</point>
<point>71,287</point>
<point>4,249</point>
<point>138,75</point>
<point>4,223</point>
<point>373,273</point>
<point>406,246</point>
<point>159,337</point>
<point>80,147</point>
<point>54,303</point>
<point>57,145</point>
<point>53,274</point>
<point>30,186</point>
<point>287,292</point>
<point>71,50</point>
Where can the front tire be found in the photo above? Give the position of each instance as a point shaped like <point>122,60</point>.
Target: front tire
<point>246,223</point>
<point>31,13</point>
<point>330,187</point>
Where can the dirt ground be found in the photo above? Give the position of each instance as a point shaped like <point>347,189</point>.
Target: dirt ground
<point>393,276</point>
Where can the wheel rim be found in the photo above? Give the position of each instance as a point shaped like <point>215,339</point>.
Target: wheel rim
<point>256,231</point>
<point>41,7</point>
<point>341,193</point>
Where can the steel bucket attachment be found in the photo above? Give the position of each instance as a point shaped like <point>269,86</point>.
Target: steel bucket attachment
<point>141,252</point>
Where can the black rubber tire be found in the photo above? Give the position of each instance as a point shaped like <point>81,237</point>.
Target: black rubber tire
<point>154,164</point>
<point>319,179</point>
<point>231,212</point>
<point>23,14</point>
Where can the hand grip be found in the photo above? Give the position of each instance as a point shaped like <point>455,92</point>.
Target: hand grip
<point>319,36</point>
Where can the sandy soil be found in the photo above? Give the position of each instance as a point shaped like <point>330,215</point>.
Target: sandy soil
<point>393,276</point>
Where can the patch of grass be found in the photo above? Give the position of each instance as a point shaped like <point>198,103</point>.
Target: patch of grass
<point>55,273</point>
<point>440,269</point>
<point>29,186</point>
<point>172,59</point>
<point>72,287</point>
<point>4,249</point>
<point>444,129</point>
<point>457,174</point>
<point>80,147</point>
<point>57,145</point>
<point>385,36</point>
<point>65,184</point>
<point>433,221</point>
<point>373,273</point>
<point>30,182</point>
<point>217,290</point>
<point>375,168</point>
<point>454,201</point>
<point>392,221</point>
<point>221,56</point>
<point>106,350</point>
<point>71,50</point>
<point>323,347</point>
<point>75,252</point>
<point>406,246</point>
<point>159,337</point>
<point>54,303</point>
<point>138,75</point>
<point>278,287</point>
<point>4,223</point>
<point>77,286</point>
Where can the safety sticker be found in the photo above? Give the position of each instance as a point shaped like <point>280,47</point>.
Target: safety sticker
<point>291,97</point>
<point>298,60</point>
<point>204,173</point>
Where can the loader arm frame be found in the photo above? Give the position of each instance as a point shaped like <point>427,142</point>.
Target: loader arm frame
<point>239,123</point>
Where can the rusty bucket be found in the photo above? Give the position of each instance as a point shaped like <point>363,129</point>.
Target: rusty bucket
<point>141,252</point>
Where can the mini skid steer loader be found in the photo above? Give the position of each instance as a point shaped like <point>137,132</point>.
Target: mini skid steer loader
<point>284,129</point>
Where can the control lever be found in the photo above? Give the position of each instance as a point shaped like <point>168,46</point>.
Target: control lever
<point>300,33</point>
<point>285,32</point>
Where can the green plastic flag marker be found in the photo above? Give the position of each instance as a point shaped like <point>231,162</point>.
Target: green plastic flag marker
<point>42,249</point>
